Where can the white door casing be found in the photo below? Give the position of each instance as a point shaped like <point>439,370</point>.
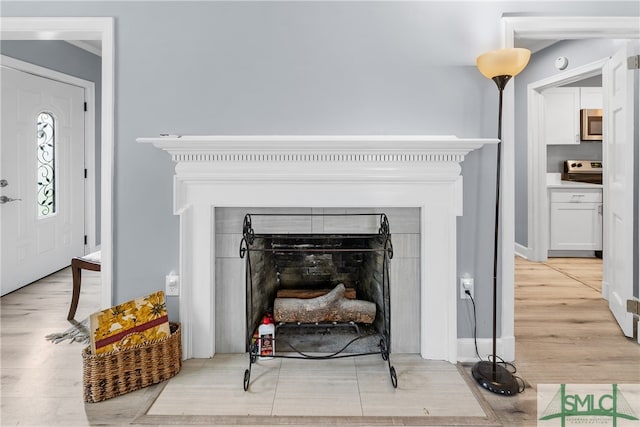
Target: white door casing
<point>84,28</point>
<point>618,177</point>
<point>35,245</point>
<point>538,28</point>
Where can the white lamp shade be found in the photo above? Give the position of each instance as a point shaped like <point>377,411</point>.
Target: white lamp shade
<point>503,62</point>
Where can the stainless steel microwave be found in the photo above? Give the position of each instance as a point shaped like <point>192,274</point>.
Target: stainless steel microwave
<point>591,125</point>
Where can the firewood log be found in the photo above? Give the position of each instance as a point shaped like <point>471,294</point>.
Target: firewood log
<point>312,293</point>
<point>332,307</point>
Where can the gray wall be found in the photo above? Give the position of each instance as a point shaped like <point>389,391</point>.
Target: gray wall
<point>541,66</point>
<point>297,68</point>
<point>68,59</point>
<point>557,154</point>
<point>595,81</point>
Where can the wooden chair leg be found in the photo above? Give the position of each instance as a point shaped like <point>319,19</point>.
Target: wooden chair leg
<point>75,271</point>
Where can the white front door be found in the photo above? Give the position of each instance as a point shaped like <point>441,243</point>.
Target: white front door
<point>42,166</point>
<point>618,157</point>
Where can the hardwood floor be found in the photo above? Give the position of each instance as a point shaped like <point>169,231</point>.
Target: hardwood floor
<point>563,324</point>
<point>564,334</point>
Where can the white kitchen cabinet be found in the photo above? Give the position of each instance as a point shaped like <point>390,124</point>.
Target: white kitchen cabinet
<point>561,112</point>
<point>591,98</point>
<point>575,219</point>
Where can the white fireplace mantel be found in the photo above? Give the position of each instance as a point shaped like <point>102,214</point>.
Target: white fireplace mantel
<point>319,171</point>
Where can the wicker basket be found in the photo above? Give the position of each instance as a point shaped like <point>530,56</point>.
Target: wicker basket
<point>118,372</point>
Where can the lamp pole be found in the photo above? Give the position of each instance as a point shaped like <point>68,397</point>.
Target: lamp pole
<point>500,66</point>
<point>501,82</point>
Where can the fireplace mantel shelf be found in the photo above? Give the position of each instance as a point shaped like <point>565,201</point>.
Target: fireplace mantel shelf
<point>316,147</point>
<point>313,171</point>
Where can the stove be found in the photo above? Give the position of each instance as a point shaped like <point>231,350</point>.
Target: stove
<point>583,171</point>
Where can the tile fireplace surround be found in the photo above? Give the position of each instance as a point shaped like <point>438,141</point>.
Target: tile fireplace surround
<point>318,172</point>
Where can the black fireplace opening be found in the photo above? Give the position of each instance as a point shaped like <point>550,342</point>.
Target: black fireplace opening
<point>307,266</point>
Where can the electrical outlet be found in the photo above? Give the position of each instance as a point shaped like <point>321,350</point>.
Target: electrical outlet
<point>172,284</point>
<point>466,284</point>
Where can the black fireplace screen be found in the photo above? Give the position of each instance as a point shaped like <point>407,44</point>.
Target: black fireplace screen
<point>290,265</point>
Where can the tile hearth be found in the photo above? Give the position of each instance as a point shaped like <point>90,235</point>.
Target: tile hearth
<point>348,387</point>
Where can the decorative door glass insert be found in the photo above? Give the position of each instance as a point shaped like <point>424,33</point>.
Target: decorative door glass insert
<point>46,165</point>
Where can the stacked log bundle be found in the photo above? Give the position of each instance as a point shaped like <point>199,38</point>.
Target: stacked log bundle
<point>312,293</point>
<point>331,307</point>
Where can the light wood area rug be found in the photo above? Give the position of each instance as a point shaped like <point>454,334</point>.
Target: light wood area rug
<point>346,391</point>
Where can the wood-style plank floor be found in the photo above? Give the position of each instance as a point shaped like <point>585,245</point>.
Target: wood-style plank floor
<point>564,334</point>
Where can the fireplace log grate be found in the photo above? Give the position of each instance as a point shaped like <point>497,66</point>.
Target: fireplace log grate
<point>313,249</point>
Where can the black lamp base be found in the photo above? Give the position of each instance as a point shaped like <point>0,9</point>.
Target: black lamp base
<point>503,382</point>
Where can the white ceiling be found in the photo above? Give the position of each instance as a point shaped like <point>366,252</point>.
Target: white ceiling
<point>535,45</point>
<point>93,46</point>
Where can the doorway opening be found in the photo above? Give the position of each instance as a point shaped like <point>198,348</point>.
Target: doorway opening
<point>515,30</point>
<point>66,145</point>
<point>84,28</point>
<point>537,149</point>
<point>92,242</point>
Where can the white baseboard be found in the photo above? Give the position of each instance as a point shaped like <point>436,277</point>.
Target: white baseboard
<point>505,348</point>
<point>605,289</point>
<point>522,251</point>
<point>572,254</point>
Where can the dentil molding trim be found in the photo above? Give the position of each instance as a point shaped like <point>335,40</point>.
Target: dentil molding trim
<point>317,148</point>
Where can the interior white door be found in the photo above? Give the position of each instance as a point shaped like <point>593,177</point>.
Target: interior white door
<point>618,177</point>
<point>42,166</point>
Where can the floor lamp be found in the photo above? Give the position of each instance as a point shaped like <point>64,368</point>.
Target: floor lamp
<point>499,66</point>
